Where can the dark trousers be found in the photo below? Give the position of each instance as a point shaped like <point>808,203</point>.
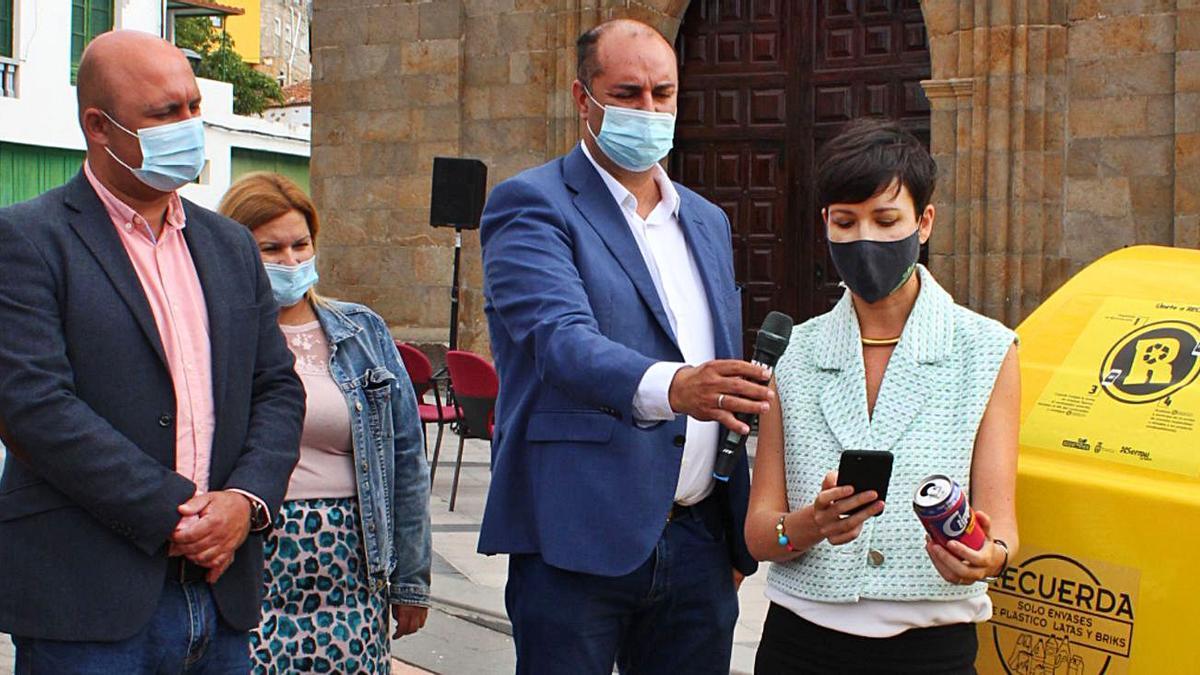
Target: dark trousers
<point>185,635</point>
<point>673,614</point>
<point>791,645</point>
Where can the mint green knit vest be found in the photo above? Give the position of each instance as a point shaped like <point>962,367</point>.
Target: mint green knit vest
<point>936,386</point>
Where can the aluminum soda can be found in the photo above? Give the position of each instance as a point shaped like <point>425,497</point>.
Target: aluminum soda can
<point>942,506</point>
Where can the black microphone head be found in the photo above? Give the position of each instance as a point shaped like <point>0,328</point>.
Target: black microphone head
<point>778,323</point>
<point>773,338</point>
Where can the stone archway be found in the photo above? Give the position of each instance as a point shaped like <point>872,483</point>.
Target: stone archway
<point>998,96</point>
<point>1052,151</point>
<point>998,131</point>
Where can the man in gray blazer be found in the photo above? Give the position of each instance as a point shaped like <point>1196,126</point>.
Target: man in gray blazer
<point>147,398</point>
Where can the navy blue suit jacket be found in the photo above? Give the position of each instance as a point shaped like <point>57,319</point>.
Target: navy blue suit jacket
<point>575,321</point>
<point>89,497</point>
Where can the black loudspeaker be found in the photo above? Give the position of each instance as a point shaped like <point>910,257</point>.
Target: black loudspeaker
<point>458,192</point>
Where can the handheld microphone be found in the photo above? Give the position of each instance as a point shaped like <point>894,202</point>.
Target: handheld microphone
<point>772,340</point>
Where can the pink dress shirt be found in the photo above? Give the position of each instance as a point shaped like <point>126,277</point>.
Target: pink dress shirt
<point>168,276</point>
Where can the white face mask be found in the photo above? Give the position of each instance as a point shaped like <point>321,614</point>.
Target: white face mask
<point>289,283</point>
<point>172,154</point>
<point>634,140</point>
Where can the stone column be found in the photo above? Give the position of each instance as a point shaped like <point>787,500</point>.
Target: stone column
<point>1187,125</point>
<point>997,92</point>
<point>950,125</point>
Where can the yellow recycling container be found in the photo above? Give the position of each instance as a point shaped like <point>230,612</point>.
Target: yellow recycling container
<point>1108,491</point>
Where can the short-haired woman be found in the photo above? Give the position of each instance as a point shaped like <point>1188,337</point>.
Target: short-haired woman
<point>353,536</point>
<point>896,365</point>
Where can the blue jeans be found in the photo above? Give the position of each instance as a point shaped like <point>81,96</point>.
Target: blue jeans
<point>673,614</point>
<point>185,635</point>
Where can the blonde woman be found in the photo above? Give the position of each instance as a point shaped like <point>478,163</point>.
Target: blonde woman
<point>352,539</point>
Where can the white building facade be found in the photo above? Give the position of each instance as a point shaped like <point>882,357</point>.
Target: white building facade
<point>40,139</point>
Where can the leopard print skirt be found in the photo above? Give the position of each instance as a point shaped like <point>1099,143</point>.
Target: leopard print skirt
<point>319,614</point>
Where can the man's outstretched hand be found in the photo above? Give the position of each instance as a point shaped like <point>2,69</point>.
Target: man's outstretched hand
<point>716,390</point>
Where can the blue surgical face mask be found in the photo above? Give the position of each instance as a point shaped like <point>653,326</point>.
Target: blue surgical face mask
<point>172,154</point>
<point>289,283</point>
<point>634,140</point>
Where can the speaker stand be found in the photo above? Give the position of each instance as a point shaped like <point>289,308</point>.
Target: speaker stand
<point>454,289</point>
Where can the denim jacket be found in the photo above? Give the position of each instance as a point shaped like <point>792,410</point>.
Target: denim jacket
<point>389,457</point>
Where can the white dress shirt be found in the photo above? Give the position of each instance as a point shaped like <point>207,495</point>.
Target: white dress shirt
<point>677,279</point>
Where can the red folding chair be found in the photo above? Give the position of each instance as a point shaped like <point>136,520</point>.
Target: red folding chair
<point>475,387</point>
<point>420,371</point>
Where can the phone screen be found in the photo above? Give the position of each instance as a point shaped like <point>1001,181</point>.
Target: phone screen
<point>866,470</point>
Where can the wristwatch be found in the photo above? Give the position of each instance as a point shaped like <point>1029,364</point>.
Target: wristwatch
<point>260,519</point>
<point>1003,564</point>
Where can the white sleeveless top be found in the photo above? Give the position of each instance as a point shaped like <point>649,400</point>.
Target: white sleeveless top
<point>935,389</point>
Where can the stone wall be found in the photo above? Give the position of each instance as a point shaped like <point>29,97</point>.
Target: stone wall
<point>386,91</point>
<point>1060,128</point>
<point>1121,125</point>
<point>1063,130</point>
<point>1187,124</point>
<point>397,83</point>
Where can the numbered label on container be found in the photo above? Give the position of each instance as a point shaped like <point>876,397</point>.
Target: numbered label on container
<point>1127,390</point>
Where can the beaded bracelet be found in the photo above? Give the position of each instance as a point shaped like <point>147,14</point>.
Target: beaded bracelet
<point>782,534</point>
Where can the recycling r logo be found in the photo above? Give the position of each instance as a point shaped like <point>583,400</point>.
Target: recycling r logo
<point>1152,362</point>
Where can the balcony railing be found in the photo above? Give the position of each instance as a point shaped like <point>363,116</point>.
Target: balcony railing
<point>8,77</point>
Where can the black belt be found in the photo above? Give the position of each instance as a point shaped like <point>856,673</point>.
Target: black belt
<point>678,511</point>
<point>185,571</point>
<point>701,509</point>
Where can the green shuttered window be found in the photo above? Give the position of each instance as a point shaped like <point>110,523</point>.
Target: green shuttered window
<point>89,18</point>
<point>6,28</point>
<point>27,171</point>
<point>292,166</point>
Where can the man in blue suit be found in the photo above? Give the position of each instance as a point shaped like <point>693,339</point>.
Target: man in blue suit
<point>147,397</point>
<point>616,324</point>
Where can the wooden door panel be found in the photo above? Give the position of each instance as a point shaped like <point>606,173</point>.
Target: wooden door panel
<point>731,106</point>
<point>763,84</point>
<point>748,180</point>
<point>736,110</point>
<point>868,59</point>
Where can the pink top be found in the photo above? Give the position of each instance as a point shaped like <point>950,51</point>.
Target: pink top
<point>168,276</point>
<point>326,467</point>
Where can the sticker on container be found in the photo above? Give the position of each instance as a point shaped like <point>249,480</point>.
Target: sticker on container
<point>1054,614</point>
<point>1127,390</point>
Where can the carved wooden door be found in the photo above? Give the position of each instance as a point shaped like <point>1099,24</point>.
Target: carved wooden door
<point>735,137</point>
<point>763,84</point>
<point>866,58</point>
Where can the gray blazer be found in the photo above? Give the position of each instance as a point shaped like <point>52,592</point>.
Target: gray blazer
<point>88,496</point>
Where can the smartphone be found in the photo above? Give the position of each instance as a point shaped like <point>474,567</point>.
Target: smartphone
<point>866,470</point>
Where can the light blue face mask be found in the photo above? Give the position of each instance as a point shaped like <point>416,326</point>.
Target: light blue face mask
<point>172,154</point>
<point>290,283</point>
<point>634,140</point>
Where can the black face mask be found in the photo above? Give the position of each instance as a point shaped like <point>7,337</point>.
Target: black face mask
<point>874,270</point>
